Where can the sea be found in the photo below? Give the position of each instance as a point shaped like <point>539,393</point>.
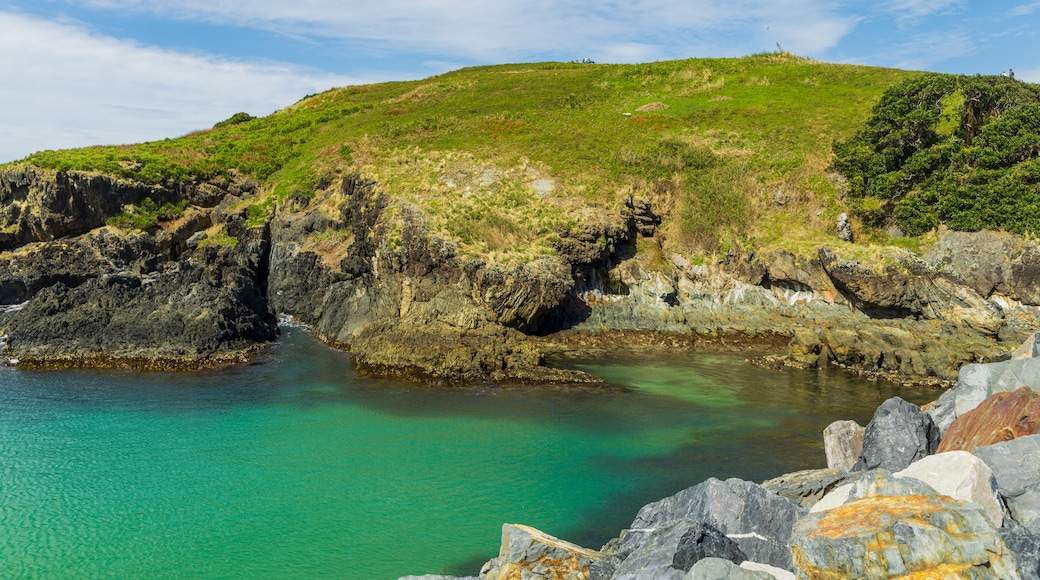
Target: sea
<point>296,466</point>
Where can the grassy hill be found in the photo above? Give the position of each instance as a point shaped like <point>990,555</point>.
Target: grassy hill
<point>732,152</point>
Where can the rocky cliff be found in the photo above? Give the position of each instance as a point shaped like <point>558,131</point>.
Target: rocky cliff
<point>369,275</point>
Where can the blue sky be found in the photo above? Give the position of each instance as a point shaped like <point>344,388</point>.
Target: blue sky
<point>83,72</point>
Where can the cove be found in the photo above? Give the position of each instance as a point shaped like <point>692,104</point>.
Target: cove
<point>296,467</point>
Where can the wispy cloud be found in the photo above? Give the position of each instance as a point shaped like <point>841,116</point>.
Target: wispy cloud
<point>921,8</point>
<point>924,50</point>
<point>1024,9</point>
<point>67,86</point>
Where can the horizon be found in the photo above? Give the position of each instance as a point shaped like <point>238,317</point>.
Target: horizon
<point>93,72</point>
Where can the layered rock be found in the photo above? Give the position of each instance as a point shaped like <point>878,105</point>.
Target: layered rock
<point>891,527</point>
<point>529,553</point>
<point>1002,417</point>
<point>806,487</point>
<point>898,435</point>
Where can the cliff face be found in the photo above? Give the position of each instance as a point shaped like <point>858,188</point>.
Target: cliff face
<point>373,278</point>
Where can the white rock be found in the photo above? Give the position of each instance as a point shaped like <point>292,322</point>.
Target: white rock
<point>843,443</point>
<point>838,497</point>
<point>960,475</point>
<point>778,573</point>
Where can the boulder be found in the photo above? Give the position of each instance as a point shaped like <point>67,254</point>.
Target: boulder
<point>722,569</point>
<point>1002,417</point>
<point>758,520</point>
<point>900,527</point>
<point>960,475</point>
<point>978,382</point>
<point>805,487</point>
<point>1016,468</point>
<point>899,434</point>
<point>1028,349</point>
<point>529,553</point>
<point>437,577</point>
<point>668,551</point>
<point>773,571</point>
<point>843,444</point>
<point>1025,545</point>
<point>704,541</point>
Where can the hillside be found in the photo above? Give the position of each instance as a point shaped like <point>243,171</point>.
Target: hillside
<point>465,227</point>
<point>731,151</point>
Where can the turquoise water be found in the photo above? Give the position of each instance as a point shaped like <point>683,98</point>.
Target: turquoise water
<point>295,467</point>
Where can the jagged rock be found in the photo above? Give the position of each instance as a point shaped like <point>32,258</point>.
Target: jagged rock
<point>758,520</point>
<point>900,527</point>
<point>704,541</point>
<point>1016,467</point>
<point>721,569</point>
<point>1025,545</point>
<point>990,263</point>
<point>843,444</point>
<point>1029,349</point>
<point>529,553</point>
<point>844,231</point>
<point>1001,417</point>
<point>805,487</point>
<point>978,382</point>
<point>898,435</point>
<point>960,475</point>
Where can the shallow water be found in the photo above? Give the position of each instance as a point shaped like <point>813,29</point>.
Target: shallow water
<point>295,467</point>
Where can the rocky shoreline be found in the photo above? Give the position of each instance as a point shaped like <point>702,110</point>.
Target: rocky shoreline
<point>951,491</point>
<point>206,287</point>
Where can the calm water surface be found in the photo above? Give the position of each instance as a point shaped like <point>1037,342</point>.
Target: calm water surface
<point>295,467</point>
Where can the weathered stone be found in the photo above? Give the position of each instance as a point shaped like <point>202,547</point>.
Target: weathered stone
<point>843,444</point>
<point>1016,467</point>
<point>655,552</point>
<point>805,487</point>
<point>721,569</point>
<point>900,527</point>
<point>1025,545</point>
<point>437,577</point>
<point>773,571</point>
<point>989,262</point>
<point>758,520</point>
<point>1002,417</point>
<point>529,553</point>
<point>844,231</point>
<point>1028,349</point>
<point>704,541</point>
<point>978,382</point>
<point>960,475</point>
<point>899,434</point>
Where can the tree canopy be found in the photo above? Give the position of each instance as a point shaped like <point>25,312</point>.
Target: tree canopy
<point>963,151</point>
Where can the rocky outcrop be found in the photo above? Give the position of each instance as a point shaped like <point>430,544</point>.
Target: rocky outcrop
<point>529,553</point>
<point>898,435</point>
<point>990,263</point>
<point>1002,417</point>
<point>900,527</point>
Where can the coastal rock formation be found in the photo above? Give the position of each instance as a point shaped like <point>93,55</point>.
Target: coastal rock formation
<point>978,382</point>
<point>758,520</point>
<point>1002,417</point>
<point>529,553</point>
<point>1016,468</point>
<point>843,444</point>
<point>900,527</point>
<point>898,435</point>
<point>960,475</point>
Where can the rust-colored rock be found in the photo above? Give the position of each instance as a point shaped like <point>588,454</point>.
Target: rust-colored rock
<point>1002,417</point>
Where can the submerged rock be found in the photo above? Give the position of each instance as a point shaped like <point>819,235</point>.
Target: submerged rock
<point>898,435</point>
<point>900,527</point>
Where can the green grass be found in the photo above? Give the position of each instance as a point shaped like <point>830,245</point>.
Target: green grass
<point>734,131</point>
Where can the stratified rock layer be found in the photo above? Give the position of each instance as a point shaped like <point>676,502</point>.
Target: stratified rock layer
<point>1002,417</point>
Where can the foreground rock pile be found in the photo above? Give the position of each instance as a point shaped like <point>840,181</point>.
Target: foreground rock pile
<point>952,491</point>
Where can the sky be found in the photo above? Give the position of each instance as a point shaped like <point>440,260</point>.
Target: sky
<point>91,72</point>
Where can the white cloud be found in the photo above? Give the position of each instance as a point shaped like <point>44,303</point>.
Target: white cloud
<point>923,51</point>
<point>510,30</point>
<point>921,8</point>
<point>1024,9</point>
<point>65,86</point>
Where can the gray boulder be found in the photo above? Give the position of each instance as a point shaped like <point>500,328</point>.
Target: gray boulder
<point>704,541</point>
<point>1016,467</point>
<point>530,553</point>
<point>1025,545</point>
<point>758,520</point>
<point>1029,349</point>
<point>722,569</point>
<point>843,444</point>
<point>806,487</point>
<point>898,435</point>
<point>978,382</point>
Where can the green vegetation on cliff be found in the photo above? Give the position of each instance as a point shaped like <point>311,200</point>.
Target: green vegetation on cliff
<point>502,159</point>
<point>953,150</point>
